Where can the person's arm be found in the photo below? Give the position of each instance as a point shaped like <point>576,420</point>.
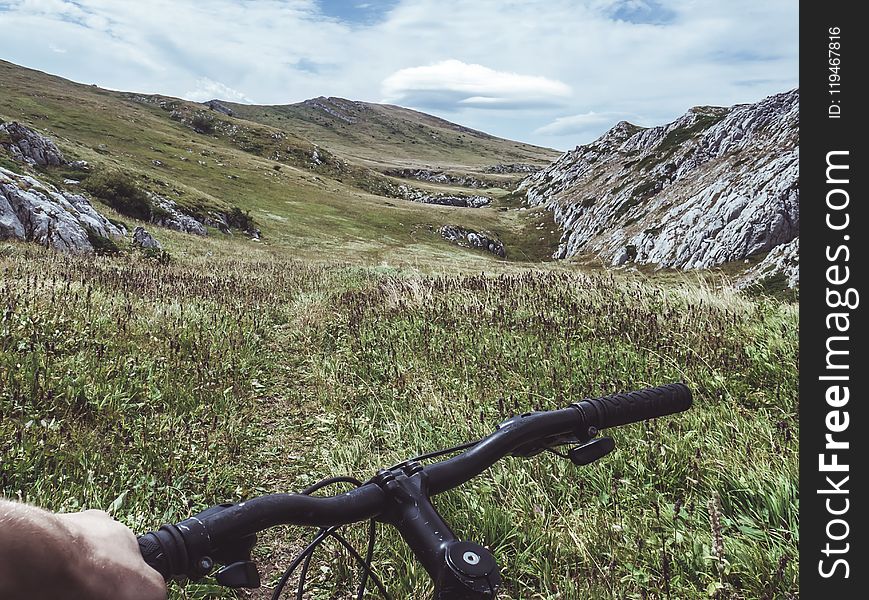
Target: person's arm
<point>86,555</point>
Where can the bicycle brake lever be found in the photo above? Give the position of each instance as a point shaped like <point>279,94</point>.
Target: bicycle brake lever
<point>242,574</point>
<point>591,451</point>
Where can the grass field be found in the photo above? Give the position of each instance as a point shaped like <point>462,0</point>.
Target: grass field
<point>352,336</point>
<point>154,391</point>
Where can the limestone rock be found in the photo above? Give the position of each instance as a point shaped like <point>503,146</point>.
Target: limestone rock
<point>33,211</point>
<point>716,185</point>
<point>26,145</point>
<point>170,216</point>
<point>144,240</point>
<point>221,108</point>
<point>470,238</point>
<point>417,195</point>
<point>784,259</point>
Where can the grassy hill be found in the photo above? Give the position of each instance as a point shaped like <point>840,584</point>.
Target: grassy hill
<point>353,336</point>
<point>328,207</point>
<point>384,135</point>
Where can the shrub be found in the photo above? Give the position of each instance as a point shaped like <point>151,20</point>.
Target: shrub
<point>102,245</point>
<point>203,123</point>
<point>158,255</point>
<point>120,191</point>
<point>240,219</point>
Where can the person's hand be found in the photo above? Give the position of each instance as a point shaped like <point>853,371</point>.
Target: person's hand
<point>110,565</point>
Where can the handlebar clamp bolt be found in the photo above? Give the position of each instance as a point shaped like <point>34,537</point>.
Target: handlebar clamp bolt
<point>383,477</point>
<point>205,564</point>
<point>471,558</point>
<point>412,467</point>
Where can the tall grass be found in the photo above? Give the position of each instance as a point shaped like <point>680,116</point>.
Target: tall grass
<point>157,390</point>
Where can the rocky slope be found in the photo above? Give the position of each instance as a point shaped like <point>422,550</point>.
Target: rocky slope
<point>33,211</point>
<point>714,186</point>
<point>26,145</point>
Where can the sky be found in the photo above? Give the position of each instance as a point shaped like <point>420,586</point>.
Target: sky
<point>556,73</point>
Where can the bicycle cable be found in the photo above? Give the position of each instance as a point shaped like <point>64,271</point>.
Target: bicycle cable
<point>320,537</point>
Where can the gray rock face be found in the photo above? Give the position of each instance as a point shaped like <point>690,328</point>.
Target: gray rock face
<point>33,211</point>
<point>512,168</point>
<point>716,185</point>
<point>438,177</point>
<point>170,216</point>
<point>143,239</point>
<point>26,145</point>
<point>417,195</point>
<point>783,259</point>
<point>221,108</point>
<point>473,239</point>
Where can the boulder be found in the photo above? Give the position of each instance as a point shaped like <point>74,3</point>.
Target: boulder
<point>470,238</point>
<point>170,216</point>
<point>33,211</point>
<point>218,107</point>
<point>144,240</point>
<point>26,145</point>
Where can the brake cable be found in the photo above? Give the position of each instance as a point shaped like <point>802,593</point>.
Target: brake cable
<point>321,536</point>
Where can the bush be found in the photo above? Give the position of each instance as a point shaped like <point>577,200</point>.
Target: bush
<point>120,191</point>
<point>240,219</point>
<point>158,255</point>
<point>102,245</point>
<point>203,123</point>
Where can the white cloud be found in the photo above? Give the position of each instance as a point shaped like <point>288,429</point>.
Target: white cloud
<point>580,124</point>
<point>517,68</point>
<point>207,89</point>
<point>449,83</point>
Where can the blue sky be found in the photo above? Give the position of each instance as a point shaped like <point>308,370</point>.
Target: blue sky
<point>553,72</point>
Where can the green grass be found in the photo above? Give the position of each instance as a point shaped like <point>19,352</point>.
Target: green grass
<point>155,391</point>
<point>352,335</point>
<point>332,211</point>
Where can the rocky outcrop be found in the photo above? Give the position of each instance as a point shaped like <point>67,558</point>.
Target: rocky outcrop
<point>784,260</point>
<point>716,185</point>
<point>470,238</point>
<point>344,110</point>
<point>512,168</point>
<point>417,195</point>
<point>36,212</point>
<point>221,108</point>
<point>438,177</point>
<point>144,240</point>
<point>167,214</point>
<point>26,145</point>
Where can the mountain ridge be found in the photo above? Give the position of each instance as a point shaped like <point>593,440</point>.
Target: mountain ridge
<point>717,185</point>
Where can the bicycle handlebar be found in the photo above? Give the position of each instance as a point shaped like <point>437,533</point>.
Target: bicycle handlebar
<point>225,532</point>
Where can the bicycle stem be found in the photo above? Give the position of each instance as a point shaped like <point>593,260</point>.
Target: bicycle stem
<point>460,570</point>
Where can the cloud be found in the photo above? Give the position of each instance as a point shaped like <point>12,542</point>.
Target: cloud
<point>584,123</point>
<point>452,84</point>
<point>521,69</point>
<point>207,89</point>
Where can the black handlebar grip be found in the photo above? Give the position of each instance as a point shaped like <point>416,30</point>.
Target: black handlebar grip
<point>154,555</point>
<point>621,409</point>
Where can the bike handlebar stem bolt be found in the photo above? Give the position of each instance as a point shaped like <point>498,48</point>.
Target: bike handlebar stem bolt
<point>592,431</point>
<point>412,468</point>
<point>383,477</point>
<point>471,558</point>
<point>205,564</point>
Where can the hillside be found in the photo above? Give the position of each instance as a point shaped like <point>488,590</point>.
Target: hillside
<point>715,186</point>
<point>306,198</point>
<point>384,136</point>
<point>321,311</point>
